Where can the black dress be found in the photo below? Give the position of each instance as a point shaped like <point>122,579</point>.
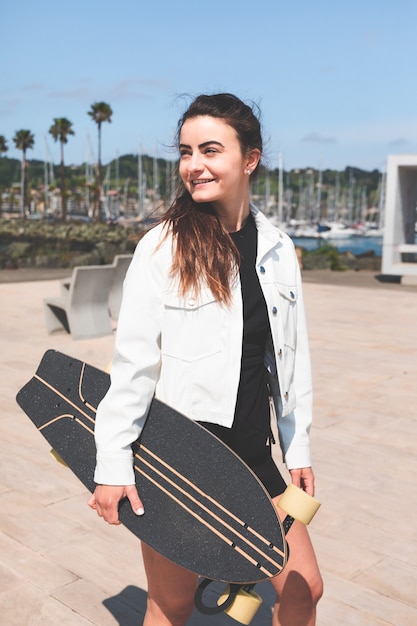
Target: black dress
<point>250,433</point>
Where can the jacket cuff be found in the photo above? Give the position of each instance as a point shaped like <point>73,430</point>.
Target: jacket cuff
<point>297,457</point>
<point>114,470</point>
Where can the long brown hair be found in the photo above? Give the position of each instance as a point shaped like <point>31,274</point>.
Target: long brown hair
<point>203,252</point>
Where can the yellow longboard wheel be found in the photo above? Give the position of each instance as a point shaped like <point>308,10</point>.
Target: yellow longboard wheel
<point>245,605</point>
<point>58,458</point>
<point>298,504</point>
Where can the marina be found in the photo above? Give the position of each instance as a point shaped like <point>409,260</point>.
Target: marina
<point>356,245</point>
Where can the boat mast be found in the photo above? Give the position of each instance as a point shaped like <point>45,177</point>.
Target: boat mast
<point>140,182</point>
<point>280,188</point>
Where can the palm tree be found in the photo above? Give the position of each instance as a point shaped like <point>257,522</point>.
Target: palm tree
<point>24,140</point>
<point>100,112</point>
<point>3,145</point>
<point>60,130</point>
<point>3,150</point>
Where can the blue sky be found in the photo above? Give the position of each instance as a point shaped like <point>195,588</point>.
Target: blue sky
<point>336,81</point>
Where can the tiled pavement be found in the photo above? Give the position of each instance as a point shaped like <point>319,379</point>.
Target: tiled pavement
<point>61,565</point>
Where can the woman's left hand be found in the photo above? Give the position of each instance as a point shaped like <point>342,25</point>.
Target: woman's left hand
<point>303,478</point>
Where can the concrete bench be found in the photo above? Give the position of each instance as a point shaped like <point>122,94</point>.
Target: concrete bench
<point>83,307</point>
<point>408,252</point>
<point>121,263</point>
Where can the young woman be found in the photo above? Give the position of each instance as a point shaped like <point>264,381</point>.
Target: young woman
<point>212,323</point>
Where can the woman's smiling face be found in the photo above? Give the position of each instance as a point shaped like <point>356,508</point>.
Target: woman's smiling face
<point>212,166</point>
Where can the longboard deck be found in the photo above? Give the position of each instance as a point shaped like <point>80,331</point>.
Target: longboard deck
<point>204,508</point>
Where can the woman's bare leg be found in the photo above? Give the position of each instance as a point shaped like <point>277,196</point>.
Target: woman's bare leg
<point>171,590</point>
<point>299,587</point>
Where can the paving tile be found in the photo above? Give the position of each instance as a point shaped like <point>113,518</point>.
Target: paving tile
<point>8,580</point>
<point>351,601</point>
<point>370,537</point>
<point>337,612</point>
<point>22,563</point>
<point>88,554</point>
<point>33,525</point>
<point>343,558</point>
<point>27,605</point>
<point>126,607</point>
<point>392,577</point>
<point>49,481</point>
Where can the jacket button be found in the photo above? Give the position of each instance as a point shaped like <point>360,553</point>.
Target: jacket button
<point>274,310</point>
<point>191,302</point>
<point>280,353</point>
<point>286,396</point>
<point>292,295</point>
<point>262,269</point>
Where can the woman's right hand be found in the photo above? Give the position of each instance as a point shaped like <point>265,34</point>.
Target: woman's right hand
<point>105,500</point>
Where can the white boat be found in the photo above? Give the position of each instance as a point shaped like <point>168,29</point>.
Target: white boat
<point>301,229</point>
<point>335,230</point>
<point>308,231</point>
<point>374,231</point>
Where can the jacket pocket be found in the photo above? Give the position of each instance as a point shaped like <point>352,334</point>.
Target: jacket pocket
<point>288,297</point>
<point>190,331</point>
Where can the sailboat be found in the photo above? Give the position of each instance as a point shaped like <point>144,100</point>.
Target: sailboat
<point>377,230</point>
<point>335,230</point>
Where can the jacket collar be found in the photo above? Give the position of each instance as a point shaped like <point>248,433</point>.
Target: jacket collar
<point>269,236</point>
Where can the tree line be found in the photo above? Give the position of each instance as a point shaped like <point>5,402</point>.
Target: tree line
<point>60,130</point>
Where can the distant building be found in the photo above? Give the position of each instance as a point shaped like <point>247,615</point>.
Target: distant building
<point>399,249</point>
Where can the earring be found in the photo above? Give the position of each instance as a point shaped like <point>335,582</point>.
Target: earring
<point>249,172</point>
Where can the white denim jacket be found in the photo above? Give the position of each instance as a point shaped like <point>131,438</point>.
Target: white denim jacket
<point>187,352</point>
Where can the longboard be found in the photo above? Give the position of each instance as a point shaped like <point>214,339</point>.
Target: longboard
<point>204,508</point>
